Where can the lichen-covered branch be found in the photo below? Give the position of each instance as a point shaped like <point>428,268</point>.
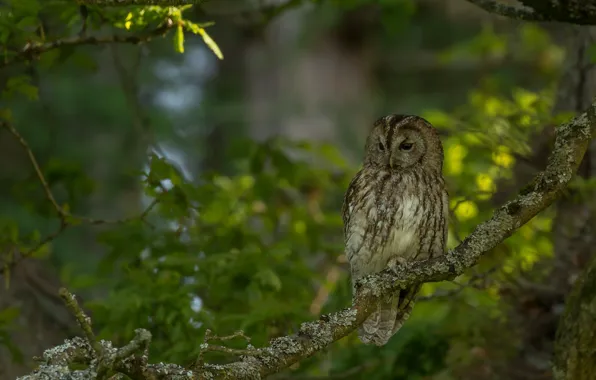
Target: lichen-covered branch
<point>579,12</point>
<point>571,143</point>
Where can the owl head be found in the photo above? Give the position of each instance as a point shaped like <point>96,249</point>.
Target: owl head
<point>401,142</point>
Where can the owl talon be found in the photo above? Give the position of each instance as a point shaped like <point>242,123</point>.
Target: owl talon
<point>395,262</point>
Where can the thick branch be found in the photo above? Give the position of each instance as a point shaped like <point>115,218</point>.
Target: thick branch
<point>579,12</point>
<point>571,143</point>
<point>498,8</point>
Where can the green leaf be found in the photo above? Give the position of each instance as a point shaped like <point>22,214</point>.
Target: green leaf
<point>592,53</point>
<point>267,277</point>
<point>333,155</point>
<point>209,42</point>
<point>8,314</point>
<point>49,58</point>
<point>6,114</point>
<point>128,21</point>
<point>27,21</point>
<point>196,29</point>
<point>22,84</point>
<point>29,91</point>
<point>160,169</point>
<point>84,61</point>
<point>179,39</point>
<point>25,6</point>
<point>15,352</point>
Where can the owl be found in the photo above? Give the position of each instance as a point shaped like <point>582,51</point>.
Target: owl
<point>395,211</point>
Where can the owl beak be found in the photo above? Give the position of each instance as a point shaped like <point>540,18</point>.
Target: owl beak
<point>391,165</point>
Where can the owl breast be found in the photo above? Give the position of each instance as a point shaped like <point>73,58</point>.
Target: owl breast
<point>403,238</point>
<point>389,221</point>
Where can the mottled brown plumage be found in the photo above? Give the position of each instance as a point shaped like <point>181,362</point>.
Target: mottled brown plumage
<point>395,210</point>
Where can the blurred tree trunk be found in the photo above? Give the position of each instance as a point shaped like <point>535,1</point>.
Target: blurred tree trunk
<point>321,83</point>
<point>574,224</point>
<point>576,335</point>
<point>224,109</point>
<point>42,322</point>
<point>574,228</point>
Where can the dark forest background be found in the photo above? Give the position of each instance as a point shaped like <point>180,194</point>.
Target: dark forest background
<point>177,191</point>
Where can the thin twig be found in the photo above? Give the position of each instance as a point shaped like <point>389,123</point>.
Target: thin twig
<point>46,188</point>
<point>238,334</point>
<point>477,281</point>
<point>209,336</point>
<point>63,214</point>
<point>232,351</point>
<point>66,218</point>
<point>106,360</point>
<point>83,319</point>
<point>33,50</point>
<point>139,343</point>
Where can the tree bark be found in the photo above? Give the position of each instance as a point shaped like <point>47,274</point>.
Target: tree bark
<point>576,336</point>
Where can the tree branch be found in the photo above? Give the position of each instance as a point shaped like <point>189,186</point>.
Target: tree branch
<point>498,8</point>
<point>579,12</point>
<point>46,187</point>
<point>66,218</point>
<point>571,143</point>
<point>33,50</point>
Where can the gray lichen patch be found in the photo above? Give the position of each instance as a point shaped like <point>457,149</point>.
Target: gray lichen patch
<point>243,370</point>
<point>63,354</point>
<point>109,351</point>
<point>371,285</point>
<point>171,371</point>
<point>58,372</point>
<point>285,344</point>
<point>319,334</point>
<point>345,317</point>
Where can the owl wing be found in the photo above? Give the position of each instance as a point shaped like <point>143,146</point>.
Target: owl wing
<point>359,213</point>
<point>445,196</point>
<point>349,202</point>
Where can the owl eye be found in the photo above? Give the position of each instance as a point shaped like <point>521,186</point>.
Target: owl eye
<point>405,146</point>
<point>381,146</point>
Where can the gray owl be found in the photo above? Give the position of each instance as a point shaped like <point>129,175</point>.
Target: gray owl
<point>395,210</point>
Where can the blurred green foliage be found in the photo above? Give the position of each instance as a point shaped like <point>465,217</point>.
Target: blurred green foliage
<point>254,248</point>
<point>241,243</point>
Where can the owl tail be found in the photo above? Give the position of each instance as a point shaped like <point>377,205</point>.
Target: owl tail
<point>390,315</point>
